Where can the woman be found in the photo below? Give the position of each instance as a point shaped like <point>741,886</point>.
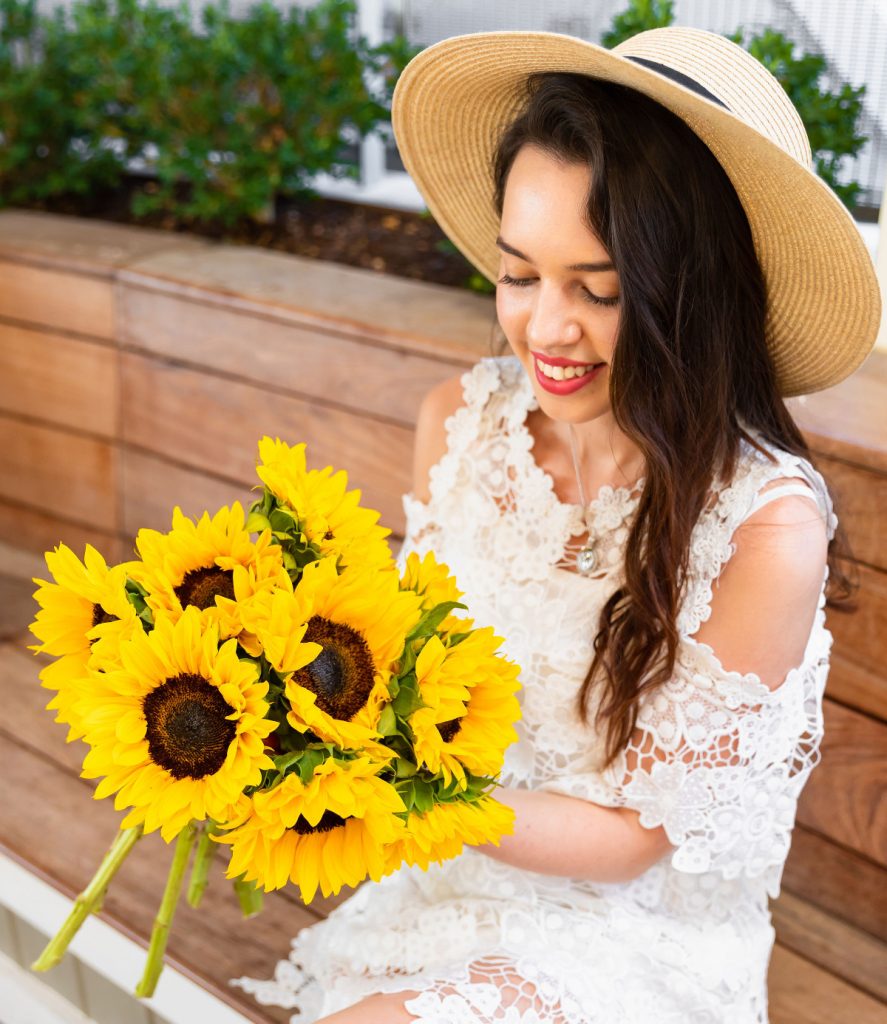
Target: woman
<point>625,497</point>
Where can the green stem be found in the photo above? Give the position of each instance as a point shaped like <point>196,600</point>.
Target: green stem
<point>206,850</point>
<point>250,896</point>
<point>89,901</point>
<point>163,920</point>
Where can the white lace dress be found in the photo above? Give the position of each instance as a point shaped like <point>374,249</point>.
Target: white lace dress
<point>720,762</point>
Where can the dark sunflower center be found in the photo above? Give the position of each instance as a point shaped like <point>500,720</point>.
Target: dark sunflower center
<point>327,823</point>
<point>342,675</point>
<point>99,615</point>
<point>200,586</point>
<point>188,733</point>
<point>449,729</point>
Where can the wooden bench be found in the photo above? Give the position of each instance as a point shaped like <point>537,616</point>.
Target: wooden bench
<point>131,360</point>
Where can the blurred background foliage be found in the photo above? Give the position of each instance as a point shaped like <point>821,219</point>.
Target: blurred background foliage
<point>230,112</point>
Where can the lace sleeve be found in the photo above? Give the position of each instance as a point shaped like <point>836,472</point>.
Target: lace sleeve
<point>718,759</point>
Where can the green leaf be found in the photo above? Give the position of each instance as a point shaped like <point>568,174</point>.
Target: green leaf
<point>408,699</point>
<point>256,522</point>
<point>433,618</point>
<point>404,769</point>
<point>387,721</point>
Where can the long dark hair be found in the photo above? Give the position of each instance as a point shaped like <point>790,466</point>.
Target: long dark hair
<point>691,367</point>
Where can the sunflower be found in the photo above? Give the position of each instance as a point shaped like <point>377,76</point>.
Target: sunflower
<point>178,731</point>
<point>470,708</point>
<point>331,516</point>
<point>213,565</point>
<point>83,616</point>
<point>441,833</point>
<point>78,607</point>
<point>332,831</point>
<point>432,581</point>
<point>361,620</point>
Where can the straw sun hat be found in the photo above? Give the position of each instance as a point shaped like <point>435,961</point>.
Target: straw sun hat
<point>454,98</point>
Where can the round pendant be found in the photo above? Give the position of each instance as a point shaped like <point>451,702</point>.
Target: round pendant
<point>586,560</point>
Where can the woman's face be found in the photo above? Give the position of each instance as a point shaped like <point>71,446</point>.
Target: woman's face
<point>560,314</point>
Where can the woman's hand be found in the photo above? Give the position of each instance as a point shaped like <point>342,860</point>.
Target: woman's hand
<point>563,835</point>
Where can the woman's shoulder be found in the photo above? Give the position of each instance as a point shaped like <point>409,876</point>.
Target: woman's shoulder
<point>770,520</point>
<point>452,412</point>
<point>765,473</point>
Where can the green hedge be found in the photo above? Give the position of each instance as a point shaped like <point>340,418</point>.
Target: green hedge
<point>231,112</point>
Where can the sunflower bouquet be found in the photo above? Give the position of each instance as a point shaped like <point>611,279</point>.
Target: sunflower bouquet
<point>270,684</point>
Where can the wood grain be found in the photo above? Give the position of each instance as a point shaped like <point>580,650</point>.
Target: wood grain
<point>845,797</point>
<point>214,425</point>
<point>839,881</point>
<point>857,687</point>
<point>76,302</point>
<point>55,471</point>
<point>829,942</point>
<point>860,497</point>
<point>65,381</point>
<point>152,486</point>
<point>39,531</point>
<point>307,361</point>
<point>860,636</point>
<point>434,319</point>
<point>802,993</point>
<point>849,420</point>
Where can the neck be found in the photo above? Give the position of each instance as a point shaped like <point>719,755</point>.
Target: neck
<point>604,451</point>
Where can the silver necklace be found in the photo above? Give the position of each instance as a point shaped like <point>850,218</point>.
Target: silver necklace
<point>586,559</point>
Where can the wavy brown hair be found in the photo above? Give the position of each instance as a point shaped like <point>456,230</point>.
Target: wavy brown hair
<point>691,366</point>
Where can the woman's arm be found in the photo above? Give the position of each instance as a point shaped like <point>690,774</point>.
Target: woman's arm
<point>563,835</point>
<point>761,614</point>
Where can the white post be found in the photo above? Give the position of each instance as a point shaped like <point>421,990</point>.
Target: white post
<point>370,22</point>
<point>881,264</point>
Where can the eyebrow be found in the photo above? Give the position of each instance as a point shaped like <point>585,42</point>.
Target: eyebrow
<point>589,267</point>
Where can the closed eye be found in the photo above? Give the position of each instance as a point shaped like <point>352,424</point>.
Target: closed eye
<point>597,300</point>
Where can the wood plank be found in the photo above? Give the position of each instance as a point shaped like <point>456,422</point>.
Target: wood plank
<point>25,702</point>
<point>37,531</point>
<point>860,636</point>
<point>80,303</point>
<point>825,940</point>
<point>60,241</point>
<point>50,469</point>
<point>17,606</point>
<point>837,880</point>
<point>849,420</point>
<point>64,844</point>
<point>860,497</point>
<point>64,381</point>
<point>434,319</point>
<point>306,361</point>
<point>857,687</point>
<point>154,485</point>
<point>845,797</point>
<point>802,993</point>
<point>201,421</point>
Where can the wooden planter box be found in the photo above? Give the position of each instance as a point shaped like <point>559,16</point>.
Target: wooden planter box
<point>138,369</point>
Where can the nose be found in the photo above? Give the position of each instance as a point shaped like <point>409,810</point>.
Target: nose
<point>552,321</point>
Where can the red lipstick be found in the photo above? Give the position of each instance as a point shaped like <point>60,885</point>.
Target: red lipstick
<point>565,387</point>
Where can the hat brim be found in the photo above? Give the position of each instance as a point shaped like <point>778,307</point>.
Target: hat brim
<point>454,98</point>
